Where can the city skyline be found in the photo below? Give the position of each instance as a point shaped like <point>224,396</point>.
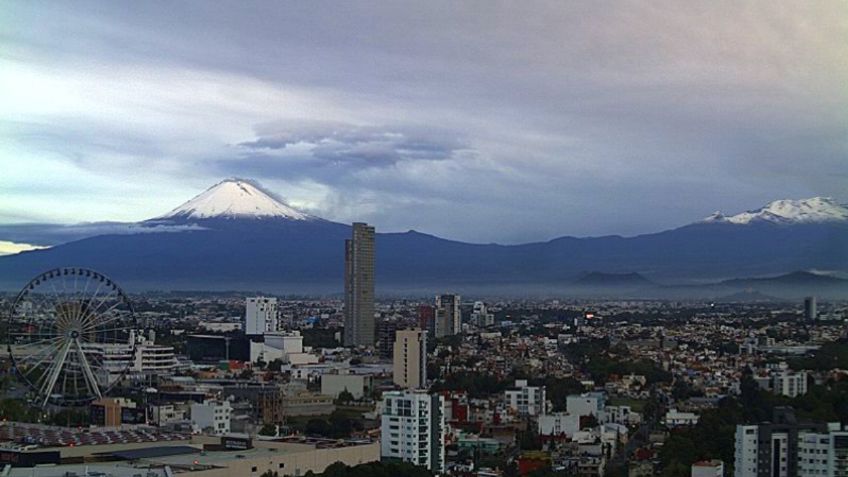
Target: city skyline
<point>548,121</point>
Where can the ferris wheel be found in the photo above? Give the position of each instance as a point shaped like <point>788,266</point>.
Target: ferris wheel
<point>71,336</point>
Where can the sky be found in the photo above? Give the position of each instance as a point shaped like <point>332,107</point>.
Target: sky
<point>479,121</point>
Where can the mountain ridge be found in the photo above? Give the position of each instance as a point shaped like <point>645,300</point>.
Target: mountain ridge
<point>251,246</point>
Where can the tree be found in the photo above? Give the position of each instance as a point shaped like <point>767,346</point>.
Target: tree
<point>268,430</point>
<point>345,396</point>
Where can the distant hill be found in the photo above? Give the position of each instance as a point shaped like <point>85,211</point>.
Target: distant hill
<point>789,279</point>
<point>601,279</point>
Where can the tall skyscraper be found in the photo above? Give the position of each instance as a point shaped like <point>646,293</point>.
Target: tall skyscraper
<point>810,312</point>
<point>413,428</point>
<point>410,359</point>
<point>359,287</point>
<point>448,316</point>
<point>260,316</point>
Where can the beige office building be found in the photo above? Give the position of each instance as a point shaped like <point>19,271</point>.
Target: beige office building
<point>410,359</point>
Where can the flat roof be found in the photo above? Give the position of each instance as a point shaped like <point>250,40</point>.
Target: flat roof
<point>152,452</point>
<point>111,469</point>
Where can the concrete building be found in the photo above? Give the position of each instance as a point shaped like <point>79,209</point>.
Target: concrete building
<point>708,468</point>
<point>789,383</point>
<point>386,332</point>
<point>448,317</point>
<point>260,316</point>
<point>559,424</point>
<point>675,418</point>
<point>810,312</point>
<point>211,417</point>
<point>134,361</point>
<point>788,448</point>
<point>413,428</point>
<point>410,359</point>
<point>359,287</point>
<point>480,315</point>
<point>586,404</point>
<point>358,385</point>
<point>526,400</point>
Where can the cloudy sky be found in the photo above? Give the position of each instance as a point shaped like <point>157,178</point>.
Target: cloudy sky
<point>483,121</point>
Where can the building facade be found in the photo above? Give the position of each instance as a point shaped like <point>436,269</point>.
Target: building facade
<point>448,317</point>
<point>526,400</point>
<point>810,311</point>
<point>409,360</point>
<point>413,429</point>
<point>211,416</point>
<point>359,287</point>
<point>260,316</point>
<point>788,448</point>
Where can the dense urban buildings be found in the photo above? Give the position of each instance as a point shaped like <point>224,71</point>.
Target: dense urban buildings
<point>359,287</point>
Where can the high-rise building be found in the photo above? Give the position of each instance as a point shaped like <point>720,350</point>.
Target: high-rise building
<point>413,428</point>
<point>810,312</point>
<point>386,331</point>
<point>448,316</point>
<point>410,359</point>
<point>427,319</point>
<point>480,315</point>
<point>788,448</point>
<point>260,316</point>
<point>359,287</point>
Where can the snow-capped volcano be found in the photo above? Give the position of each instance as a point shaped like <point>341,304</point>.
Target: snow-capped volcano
<point>815,210</point>
<point>234,198</point>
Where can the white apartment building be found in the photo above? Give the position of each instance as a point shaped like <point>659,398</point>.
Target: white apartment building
<point>559,424</point>
<point>526,400</point>
<point>211,417</point>
<point>791,451</point>
<point>261,316</point>
<point>413,428</point>
<point>586,404</point>
<point>789,383</point>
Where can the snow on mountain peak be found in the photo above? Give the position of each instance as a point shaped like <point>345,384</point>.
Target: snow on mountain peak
<point>815,210</point>
<point>235,198</point>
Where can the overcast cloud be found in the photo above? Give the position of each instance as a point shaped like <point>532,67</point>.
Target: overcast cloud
<point>483,121</point>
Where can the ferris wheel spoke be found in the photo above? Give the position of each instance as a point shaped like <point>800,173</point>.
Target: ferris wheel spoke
<point>99,319</point>
<point>80,299</point>
<point>88,308</point>
<point>45,343</point>
<point>55,371</point>
<point>61,316</point>
<point>94,314</point>
<point>89,376</point>
<point>47,351</point>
